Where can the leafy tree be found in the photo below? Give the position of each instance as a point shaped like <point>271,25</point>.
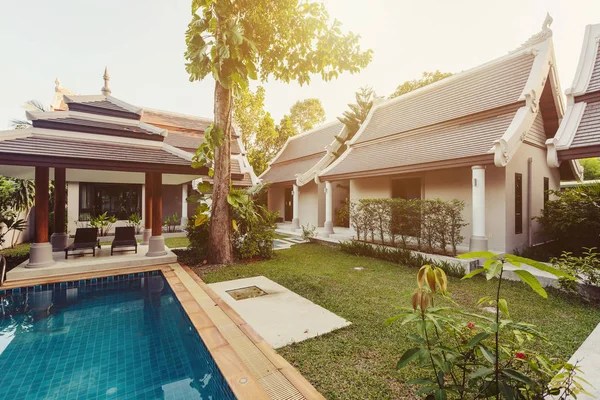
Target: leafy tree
<point>358,112</point>
<point>249,113</point>
<point>426,79</point>
<point>591,168</point>
<point>306,114</point>
<point>237,41</point>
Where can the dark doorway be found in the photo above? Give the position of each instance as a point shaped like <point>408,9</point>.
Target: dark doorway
<point>289,204</point>
<point>406,188</point>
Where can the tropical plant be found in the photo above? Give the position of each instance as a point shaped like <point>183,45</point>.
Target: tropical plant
<point>591,168</point>
<point>354,118</point>
<point>309,232</point>
<point>237,41</point>
<point>342,214</point>
<point>171,222</point>
<point>35,105</point>
<point>135,221</point>
<point>23,199</point>
<point>9,221</point>
<point>103,223</point>
<point>487,357</point>
<point>586,268</point>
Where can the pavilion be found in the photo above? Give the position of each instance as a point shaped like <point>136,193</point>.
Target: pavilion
<point>98,139</point>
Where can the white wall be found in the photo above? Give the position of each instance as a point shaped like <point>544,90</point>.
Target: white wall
<point>309,204</point>
<point>276,200</point>
<point>539,169</point>
<point>378,187</point>
<point>72,206</point>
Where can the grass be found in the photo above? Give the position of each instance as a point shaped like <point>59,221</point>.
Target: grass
<point>358,362</point>
<point>19,250</point>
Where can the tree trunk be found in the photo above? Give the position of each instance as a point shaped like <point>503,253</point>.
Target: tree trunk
<point>220,250</point>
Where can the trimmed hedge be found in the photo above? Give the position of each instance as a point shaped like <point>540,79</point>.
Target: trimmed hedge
<point>434,223</point>
<point>398,255</point>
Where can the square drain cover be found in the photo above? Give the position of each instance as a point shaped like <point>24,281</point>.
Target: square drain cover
<point>246,293</point>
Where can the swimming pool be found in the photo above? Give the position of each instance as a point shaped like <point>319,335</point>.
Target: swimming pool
<point>121,337</point>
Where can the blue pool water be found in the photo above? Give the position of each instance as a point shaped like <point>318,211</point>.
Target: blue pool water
<point>123,337</point>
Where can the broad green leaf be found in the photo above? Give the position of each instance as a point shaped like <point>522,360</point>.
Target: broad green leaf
<point>539,265</point>
<point>421,381</point>
<point>204,187</point>
<point>478,338</point>
<point>234,225</point>
<point>440,394</point>
<point>481,373</point>
<point>408,356</point>
<point>487,354</point>
<point>200,219</point>
<point>516,375</point>
<point>503,306</point>
<point>532,281</point>
<point>473,273</point>
<point>493,270</point>
<point>478,254</point>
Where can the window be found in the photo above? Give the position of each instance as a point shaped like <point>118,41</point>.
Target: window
<point>546,189</point>
<point>518,203</point>
<point>120,200</point>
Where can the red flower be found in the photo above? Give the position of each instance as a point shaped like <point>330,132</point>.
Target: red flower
<point>520,356</point>
<point>471,325</point>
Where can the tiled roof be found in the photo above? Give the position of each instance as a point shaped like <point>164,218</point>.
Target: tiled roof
<point>594,84</point>
<point>170,120</point>
<point>490,86</point>
<point>54,146</point>
<point>309,143</point>
<point>447,141</point>
<point>588,131</point>
<point>286,172</point>
<point>190,142</point>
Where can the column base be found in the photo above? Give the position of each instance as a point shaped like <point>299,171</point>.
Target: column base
<point>59,241</point>
<point>40,255</point>
<point>156,246</point>
<point>478,243</point>
<point>146,236</point>
<point>295,224</point>
<point>328,227</point>
<point>184,222</point>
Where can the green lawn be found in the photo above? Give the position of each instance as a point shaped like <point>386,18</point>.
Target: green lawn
<point>358,362</point>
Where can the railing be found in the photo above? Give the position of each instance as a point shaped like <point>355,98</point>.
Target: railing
<point>3,261</point>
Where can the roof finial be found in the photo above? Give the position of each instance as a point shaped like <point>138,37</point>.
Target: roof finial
<point>105,90</point>
<point>57,87</point>
<point>547,22</point>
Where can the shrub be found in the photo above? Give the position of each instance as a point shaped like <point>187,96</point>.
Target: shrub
<point>103,223</point>
<point>342,214</point>
<point>488,357</point>
<point>172,222</point>
<point>135,221</point>
<point>585,268</point>
<point>434,223</point>
<point>253,225</point>
<point>573,218</point>
<point>400,256</point>
<point>308,232</point>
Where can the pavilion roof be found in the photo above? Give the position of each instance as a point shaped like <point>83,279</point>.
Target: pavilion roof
<point>579,132</point>
<point>480,115</point>
<point>300,153</point>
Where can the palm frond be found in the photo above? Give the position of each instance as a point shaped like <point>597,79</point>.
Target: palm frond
<point>35,104</point>
<point>20,123</point>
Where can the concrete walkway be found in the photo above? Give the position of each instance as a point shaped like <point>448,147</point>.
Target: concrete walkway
<point>280,316</point>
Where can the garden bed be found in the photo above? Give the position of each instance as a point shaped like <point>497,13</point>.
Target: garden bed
<point>359,361</point>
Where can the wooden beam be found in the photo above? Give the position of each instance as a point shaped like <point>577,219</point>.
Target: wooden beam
<point>157,220</point>
<point>42,176</point>
<point>59,199</point>
<point>148,201</point>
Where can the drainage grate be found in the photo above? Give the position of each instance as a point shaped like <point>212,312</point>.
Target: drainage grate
<point>246,293</point>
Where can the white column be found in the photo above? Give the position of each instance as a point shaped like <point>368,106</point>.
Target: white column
<point>479,237</point>
<point>184,205</point>
<point>296,205</point>
<point>328,208</point>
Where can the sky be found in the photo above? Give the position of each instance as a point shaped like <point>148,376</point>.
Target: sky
<point>143,41</point>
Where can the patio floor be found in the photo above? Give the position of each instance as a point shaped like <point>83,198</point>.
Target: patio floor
<point>80,264</point>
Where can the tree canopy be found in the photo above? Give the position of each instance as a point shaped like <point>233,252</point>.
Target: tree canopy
<point>427,79</point>
<point>261,136</point>
<point>591,168</point>
<point>235,41</point>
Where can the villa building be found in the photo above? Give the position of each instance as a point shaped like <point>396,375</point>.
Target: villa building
<point>92,194</point>
<point>479,136</point>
